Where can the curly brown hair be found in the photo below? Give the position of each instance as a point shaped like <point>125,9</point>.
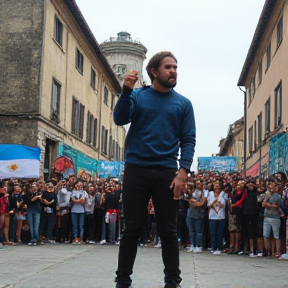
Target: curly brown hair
<point>155,62</point>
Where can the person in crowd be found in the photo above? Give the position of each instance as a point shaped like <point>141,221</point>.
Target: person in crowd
<point>3,209</point>
<point>10,218</point>
<point>105,217</point>
<point>33,201</point>
<point>216,202</point>
<point>198,203</point>
<point>78,200</point>
<point>21,210</point>
<point>89,226</point>
<point>150,221</point>
<point>63,209</point>
<point>250,217</point>
<point>112,202</point>
<point>98,212</point>
<point>236,199</point>
<point>182,225</point>
<point>272,204</point>
<point>49,200</point>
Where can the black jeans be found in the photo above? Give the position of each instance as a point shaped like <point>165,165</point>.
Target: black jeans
<point>139,184</point>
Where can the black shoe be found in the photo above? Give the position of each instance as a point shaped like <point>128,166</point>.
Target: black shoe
<point>122,285</point>
<point>172,285</point>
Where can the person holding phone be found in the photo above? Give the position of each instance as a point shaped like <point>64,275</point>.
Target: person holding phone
<point>162,121</point>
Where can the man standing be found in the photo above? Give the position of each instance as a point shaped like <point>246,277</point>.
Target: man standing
<point>162,121</point>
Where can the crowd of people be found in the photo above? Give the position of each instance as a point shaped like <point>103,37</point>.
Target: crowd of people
<point>221,213</point>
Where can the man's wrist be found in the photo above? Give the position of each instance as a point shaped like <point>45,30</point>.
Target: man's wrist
<point>182,173</point>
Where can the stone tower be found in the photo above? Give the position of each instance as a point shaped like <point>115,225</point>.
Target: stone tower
<point>124,54</point>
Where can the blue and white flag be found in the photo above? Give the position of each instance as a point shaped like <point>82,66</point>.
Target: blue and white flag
<point>19,161</point>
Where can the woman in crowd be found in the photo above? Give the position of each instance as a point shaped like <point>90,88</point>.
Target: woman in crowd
<point>78,199</point>
<point>89,226</point>
<point>49,199</point>
<point>3,208</point>
<point>236,199</point>
<point>216,202</point>
<point>197,204</point>
<point>21,210</point>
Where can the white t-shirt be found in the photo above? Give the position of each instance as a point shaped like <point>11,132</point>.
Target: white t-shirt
<point>219,212</point>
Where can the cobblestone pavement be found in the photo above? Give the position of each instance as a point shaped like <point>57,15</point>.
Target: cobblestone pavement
<point>93,266</point>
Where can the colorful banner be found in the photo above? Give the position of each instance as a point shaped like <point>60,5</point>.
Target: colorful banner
<point>254,170</point>
<point>220,164</point>
<point>278,154</point>
<point>19,161</point>
<point>89,168</point>
<point>109,169</point>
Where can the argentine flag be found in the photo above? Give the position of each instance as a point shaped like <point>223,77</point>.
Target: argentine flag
<point>19,161</point>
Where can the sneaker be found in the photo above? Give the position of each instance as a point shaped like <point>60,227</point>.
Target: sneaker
<point>191,249</point>
<point>52,242</point>
<point>260,254</point>
<point>198,250</point>
<point>252,255</point>
<point>91,242</point>
<point>210,249</point>
<point>240,253</point>
<point>118,243</point>
<point>103,242</point>
<point>30,244</point>
<point>217,252</point>
<point>157,245</point>
<point>34,244</point>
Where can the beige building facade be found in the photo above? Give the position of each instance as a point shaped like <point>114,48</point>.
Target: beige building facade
<point>264,76</point>
<point>232,144</point>
<point>75,87</point>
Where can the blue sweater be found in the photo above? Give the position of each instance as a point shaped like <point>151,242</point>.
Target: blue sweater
<point>161,123</point>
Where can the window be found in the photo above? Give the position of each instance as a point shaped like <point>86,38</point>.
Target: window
<point>259,118</point>
<point>250,140</point>
<point>58,31</point>
<point>255,136</point>
<point>55,101</point>
<point>95,132</point>
<point>249,96</point>
<point>112,101</point>
<point>117,152</point>
<point>253,87</point>
<point>79,61</point>
<point>111,150</point>
<point>77,118</point>
<point>267,116</point>
<point>93,78</point>
<point>280,31</point>
<point>260,72</point>
<point>268,55</point>
<point>90,120</point>
<point>104,140</point>
<point>278,105</point>
<point>106,95</point>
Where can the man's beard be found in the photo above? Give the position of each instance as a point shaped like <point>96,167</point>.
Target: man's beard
<point>167,84</point>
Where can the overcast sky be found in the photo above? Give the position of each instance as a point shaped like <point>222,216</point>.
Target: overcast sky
<point>210,39</point>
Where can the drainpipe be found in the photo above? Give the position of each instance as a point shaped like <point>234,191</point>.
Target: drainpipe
<point>245,131</point>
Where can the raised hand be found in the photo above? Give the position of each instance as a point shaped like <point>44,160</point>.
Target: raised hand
<point>130,78</point>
